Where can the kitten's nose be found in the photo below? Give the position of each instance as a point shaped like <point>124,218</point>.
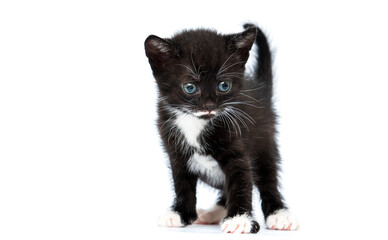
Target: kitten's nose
<point>209,106</point>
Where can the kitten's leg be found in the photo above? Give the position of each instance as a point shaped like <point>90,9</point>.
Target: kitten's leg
<point>183,210</point>
<point>185,185</point>
<point>266,178</point>
<point>238,190</point>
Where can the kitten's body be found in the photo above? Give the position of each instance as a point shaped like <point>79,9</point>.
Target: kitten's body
<point>224,138</point>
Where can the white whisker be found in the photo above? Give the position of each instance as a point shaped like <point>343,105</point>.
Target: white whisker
<point>222,67</point>
<point>244,114</point>
<point>229,66</point>
<point>242,103</point>
<point>233,121</point>
<point>238,116</point>
<point>188,68</point>
<point>253,89</point>
<point>254,99</point>
<point>192,62</point>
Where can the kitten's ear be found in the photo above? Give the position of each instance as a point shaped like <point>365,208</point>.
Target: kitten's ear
<point>242,42</point>
<point>158,49</point>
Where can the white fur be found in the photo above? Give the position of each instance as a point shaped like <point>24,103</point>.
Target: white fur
<point>170,219</point>
<point>191,127</point>
<point>160,46</point>
<point>237,224</point>
<point>203,113</point>
<point>211,216</point>
<point>282,220</point>
<point>205,165</point>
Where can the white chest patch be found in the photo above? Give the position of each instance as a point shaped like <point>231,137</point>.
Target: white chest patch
<point>206,166</point>
<point>191,127</point>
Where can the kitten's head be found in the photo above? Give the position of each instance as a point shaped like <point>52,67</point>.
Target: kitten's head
<point>197,71</point>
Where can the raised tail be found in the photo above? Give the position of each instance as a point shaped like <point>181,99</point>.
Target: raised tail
<point>263,68</point>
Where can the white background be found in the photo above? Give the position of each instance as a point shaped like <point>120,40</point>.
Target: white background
<point>80,157</point>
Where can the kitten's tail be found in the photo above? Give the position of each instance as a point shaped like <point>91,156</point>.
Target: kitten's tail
<point>263,68</point>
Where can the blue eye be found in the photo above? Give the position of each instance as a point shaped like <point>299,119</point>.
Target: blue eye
<point>190,88</point>
<point>224,86</point>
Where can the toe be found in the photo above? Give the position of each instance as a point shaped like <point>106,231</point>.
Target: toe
<point>237,224</point>
<point>170,219</point>
<point>282,220</point>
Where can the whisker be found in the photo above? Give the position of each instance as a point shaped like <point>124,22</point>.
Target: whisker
<point>195,77</point>
<point>231,65</point>
<point>192,62</point>
<point>191,71</point>
<point>230,99</point>
<point>232,74</point>
<point>244,114</point>
<point>234,122</point>
<point>161,99</point>
<point>250,90</point>
<point>199,69</point>
<point>238,116</point>
<point>229,76</point>
<point>168,120</point>
<point>188,101</point>
<point>224,120</point>
<point>242,103</point>
<point>222,67</point>
<point>167,84</point>
<point>251,98</point>
<point>254,89</point>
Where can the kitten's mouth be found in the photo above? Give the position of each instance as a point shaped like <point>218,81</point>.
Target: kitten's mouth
<point>205,114</point>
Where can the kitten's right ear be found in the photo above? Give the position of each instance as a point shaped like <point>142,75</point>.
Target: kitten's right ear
<point>158,49</point>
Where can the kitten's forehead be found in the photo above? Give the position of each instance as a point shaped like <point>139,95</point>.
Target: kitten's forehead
<point>202,47</point>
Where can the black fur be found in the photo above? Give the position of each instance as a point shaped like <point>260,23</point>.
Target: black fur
<point>244,144</point>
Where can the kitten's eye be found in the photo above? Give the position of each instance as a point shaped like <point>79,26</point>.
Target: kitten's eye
<point>190,88</point>
<point>224,86</point>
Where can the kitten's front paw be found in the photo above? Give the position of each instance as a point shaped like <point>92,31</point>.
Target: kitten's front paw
<point>282,220</point>
<point>240,224</point>
<point>170,219</point>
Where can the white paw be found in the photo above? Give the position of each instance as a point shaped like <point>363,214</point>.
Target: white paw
<point>282,220</point>
<point>237,224</point>
<point>211,216</point>
<point>170,219</point>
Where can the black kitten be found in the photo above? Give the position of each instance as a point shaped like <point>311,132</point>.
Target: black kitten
<point>218,125</point>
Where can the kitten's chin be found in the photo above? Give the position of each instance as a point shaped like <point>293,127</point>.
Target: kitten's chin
<point>205,114</point>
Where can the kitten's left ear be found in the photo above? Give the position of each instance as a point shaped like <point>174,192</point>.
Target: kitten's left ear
<point>159,50</point>
<point>242,42</point>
